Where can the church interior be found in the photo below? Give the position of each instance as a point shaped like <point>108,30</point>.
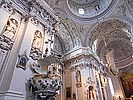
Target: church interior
<point>66,49</point>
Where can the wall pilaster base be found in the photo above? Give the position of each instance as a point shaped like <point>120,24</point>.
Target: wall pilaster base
<point>11,95</point>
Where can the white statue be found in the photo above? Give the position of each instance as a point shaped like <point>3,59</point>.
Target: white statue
<point>10,29</point>
<point>37,41</point>
<point>78,76</point>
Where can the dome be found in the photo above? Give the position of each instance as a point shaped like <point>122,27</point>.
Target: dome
<point>89,9</point>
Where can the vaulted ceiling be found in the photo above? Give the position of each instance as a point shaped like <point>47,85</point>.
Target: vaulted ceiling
<point>110,23</point>
<point>112,34</point>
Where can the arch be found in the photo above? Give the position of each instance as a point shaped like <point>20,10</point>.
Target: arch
<point>104,26</point>
<point>107,33</point>
<point>61,43</point>
<point>69,26</point>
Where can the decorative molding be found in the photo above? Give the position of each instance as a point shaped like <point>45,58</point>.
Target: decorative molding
<point>43,13</point>
<point>122,10</point>
<point>107,27</point>
<point>83,61</point>
<point>67,25</point>
<point>40,88</point>
<point>35,53</point>
<point>33,20</point>
<point>126,69</point>
<point>5,43</point>
<point>12,94</point>
<point>7,7</point>
<point>31,8</point>
<point>21,5</point>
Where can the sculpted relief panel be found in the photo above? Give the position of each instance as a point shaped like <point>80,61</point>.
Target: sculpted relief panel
<point>36,49</point>
<point>37,41</point>
<point>10,29</point>
<point>7,40</point>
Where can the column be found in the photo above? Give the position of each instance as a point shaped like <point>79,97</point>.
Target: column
<point>7,75</point>
<point>74,90</point>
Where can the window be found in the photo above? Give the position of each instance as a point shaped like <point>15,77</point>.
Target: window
<point>81,11</point>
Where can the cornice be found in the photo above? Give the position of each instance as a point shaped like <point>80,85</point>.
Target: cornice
<point>35,9</point>
<point>126,69</point>
<point>82,58</point>
<point>94,2</point>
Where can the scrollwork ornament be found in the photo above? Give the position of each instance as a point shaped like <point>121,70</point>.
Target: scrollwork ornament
<point>33,20</point>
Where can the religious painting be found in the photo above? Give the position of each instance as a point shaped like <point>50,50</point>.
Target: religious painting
<point>22,61</point>
<point>127,84</point>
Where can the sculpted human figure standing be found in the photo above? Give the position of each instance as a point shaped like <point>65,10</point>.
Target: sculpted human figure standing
<point>78,76</point>
<point>37,40</point>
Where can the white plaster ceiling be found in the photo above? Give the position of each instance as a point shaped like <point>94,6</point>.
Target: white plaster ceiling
<point>81,31</point>
<point>112,34</point>
<point>92,9</point>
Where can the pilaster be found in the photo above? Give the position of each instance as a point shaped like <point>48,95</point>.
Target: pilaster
<point>7,92</point>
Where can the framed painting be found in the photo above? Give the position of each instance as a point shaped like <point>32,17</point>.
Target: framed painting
<point>126,80</point>
<point>22,61</point>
